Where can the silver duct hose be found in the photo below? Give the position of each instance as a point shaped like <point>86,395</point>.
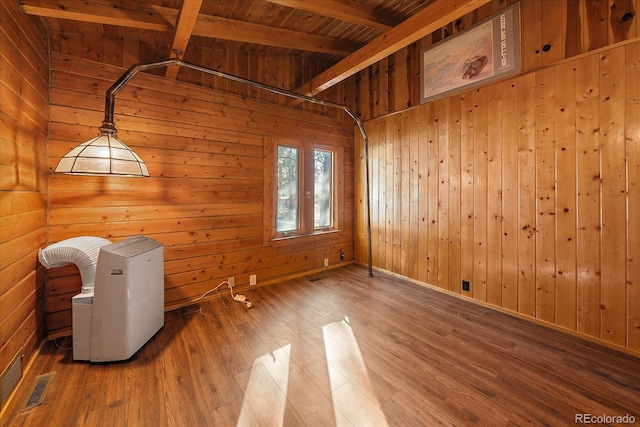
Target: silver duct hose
<point>82,251</point>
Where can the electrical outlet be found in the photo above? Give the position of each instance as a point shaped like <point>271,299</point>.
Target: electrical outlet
<point>466,286</point>
<point>232,281</point>
<point>326,262</point>
<point>252,280</point>
<point>341,256</point>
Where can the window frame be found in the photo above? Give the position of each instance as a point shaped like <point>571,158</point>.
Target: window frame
<point>317,147</point>
<point>306,182</point>
<point>301,174</point>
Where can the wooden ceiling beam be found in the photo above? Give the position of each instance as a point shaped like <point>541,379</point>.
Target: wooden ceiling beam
<point>343,11</point>
<point>240,31</point>
<point>187,18</point>
<point>151,17</point>
<point>112,13</point>
<point>434,16</point>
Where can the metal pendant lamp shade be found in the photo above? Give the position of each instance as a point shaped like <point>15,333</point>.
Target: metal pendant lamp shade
<point>103,155</point>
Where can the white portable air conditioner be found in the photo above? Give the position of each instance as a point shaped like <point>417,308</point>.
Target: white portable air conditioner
<point>125,308</point>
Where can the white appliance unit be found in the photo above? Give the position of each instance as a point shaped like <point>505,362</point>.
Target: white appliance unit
<point>125,307</point>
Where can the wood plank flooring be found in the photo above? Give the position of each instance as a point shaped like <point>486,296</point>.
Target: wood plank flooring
<point>339,349</point>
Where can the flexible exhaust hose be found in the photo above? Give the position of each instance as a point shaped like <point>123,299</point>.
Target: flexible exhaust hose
<point>82,251</point>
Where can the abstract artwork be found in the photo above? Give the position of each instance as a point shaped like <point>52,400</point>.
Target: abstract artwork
<point>487,51</point>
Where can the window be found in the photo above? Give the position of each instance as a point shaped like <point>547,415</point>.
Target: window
<point>322,189</point>
<point>288,180</point>
<point>305,186</point>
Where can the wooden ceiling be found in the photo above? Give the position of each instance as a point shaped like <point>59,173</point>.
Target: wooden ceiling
<point>351,34</point>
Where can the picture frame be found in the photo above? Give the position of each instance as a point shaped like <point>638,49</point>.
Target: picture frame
<point>487,51</point>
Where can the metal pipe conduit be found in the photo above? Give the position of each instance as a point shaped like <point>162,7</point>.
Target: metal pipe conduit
<point>108,124</point>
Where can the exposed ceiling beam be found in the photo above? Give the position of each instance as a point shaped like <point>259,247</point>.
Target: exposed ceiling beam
<point>187,18</point>
<point>227,29</point>
<point>342,11</point>
<point>114,13</point>
<point>434,16</point>
<point>151,17</point>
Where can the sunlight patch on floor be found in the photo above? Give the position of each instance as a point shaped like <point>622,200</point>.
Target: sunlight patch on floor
<point>265,397</point>
<point>337,394</point>
<point>355,398</point>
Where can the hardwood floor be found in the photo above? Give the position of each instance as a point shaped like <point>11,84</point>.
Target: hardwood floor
<point>339,349</point>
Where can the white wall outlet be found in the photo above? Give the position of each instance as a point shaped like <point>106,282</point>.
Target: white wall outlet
<point>326,262</point>
<point>232,281</point>
<point>252,280</point>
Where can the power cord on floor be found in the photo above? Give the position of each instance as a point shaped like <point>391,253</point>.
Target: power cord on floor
<point>188,312</point>
<point>55,341</point>
<point>237,297</point>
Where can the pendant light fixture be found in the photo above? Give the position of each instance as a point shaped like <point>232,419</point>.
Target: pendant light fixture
<point>103,155</point>
<point>106,155</point>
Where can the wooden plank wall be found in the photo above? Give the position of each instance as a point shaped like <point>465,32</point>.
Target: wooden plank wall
<point>23,183</point>
<point>568,27</point>
<point>204,199</point>
<point>124,47</point>
<point>528,188</point>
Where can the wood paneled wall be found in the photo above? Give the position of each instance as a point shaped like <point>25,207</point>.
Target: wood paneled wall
<point>204,199</point>
<point>24,120</point>
<point>529,189</point>
<point>125,47</point>
<point>568,27</point>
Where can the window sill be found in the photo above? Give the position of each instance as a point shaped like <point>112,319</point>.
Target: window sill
<point>299,238</point>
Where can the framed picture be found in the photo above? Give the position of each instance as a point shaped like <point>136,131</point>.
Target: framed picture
<point>487,51</point>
